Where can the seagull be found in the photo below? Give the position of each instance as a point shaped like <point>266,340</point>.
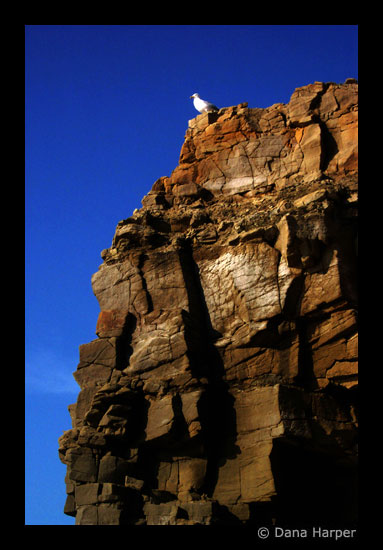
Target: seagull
<point>203,106</point>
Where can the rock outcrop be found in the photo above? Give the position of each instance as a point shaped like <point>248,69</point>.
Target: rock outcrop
<point>222,385</point>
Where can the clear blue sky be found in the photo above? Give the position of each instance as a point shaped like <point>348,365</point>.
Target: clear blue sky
<point>107,107</point>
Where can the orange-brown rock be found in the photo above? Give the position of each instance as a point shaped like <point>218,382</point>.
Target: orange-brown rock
<point>222,384</point>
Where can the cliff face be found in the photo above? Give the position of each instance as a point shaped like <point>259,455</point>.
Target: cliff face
<point>222,383</point>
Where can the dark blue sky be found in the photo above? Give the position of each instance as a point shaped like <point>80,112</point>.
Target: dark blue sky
<point>107,108</point>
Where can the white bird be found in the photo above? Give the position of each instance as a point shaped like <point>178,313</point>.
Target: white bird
<point>203,106</point>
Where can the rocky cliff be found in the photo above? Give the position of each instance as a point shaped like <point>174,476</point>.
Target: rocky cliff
<point>221,387</point>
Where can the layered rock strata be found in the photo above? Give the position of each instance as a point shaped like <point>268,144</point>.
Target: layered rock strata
<point>221,387</point>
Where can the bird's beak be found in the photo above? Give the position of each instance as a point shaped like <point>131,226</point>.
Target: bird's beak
<point>191,97</point>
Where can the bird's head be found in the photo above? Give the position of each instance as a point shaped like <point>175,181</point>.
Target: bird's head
<point>194,95</point>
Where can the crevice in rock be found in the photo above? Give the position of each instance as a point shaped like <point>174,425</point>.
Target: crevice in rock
<point>248,160</point>
<point>220,169</point>
<point>123,345</point>
<point>305,377</point>
<point>142,260</point>
<point>329,147</point>
<point>218,417</point>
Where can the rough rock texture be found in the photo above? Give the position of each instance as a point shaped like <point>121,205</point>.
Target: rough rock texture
<point>221,387</point>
